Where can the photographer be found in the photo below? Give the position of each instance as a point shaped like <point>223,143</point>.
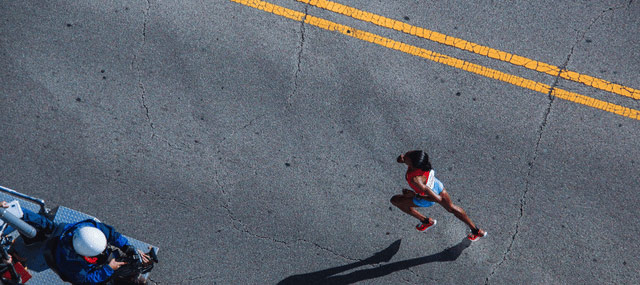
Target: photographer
<point>88,252</point>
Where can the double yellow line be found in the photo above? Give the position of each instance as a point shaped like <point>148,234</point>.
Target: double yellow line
<point>454,62</point>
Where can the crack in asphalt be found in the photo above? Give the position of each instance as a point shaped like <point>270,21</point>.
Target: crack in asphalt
<point>243,228</point>
<point>140,83</point>
<point>144,104</point>
<point>523,198</point>
<point>541,129</point>
<point>135,64</point>
<point>295,77</point>
<point>283,242</point>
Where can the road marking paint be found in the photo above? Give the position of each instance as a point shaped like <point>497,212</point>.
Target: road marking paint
<point>444,59</point>
<point>475,48</point>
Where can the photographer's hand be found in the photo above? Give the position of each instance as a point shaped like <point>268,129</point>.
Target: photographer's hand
<point>145,257</point>
<point>114,264</point>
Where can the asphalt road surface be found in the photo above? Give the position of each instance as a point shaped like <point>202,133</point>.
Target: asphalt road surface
<point>254,147</point>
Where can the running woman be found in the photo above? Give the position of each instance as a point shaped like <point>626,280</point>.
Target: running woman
<point>428,191</point>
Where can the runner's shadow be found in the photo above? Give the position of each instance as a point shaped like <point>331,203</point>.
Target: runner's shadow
<point>327,276</point>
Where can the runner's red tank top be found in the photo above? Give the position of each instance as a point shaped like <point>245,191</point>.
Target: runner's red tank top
<point>418,172</point>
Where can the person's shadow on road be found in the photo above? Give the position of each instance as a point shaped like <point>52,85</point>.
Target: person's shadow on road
<point>328,276</point>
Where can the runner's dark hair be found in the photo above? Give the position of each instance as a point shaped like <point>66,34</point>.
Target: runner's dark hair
<point>420,159</point>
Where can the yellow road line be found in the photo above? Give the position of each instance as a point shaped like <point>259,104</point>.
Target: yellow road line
<point>441,58</point>
<point>475,48</point>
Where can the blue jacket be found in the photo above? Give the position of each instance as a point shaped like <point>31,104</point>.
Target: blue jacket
<point>73,266</point>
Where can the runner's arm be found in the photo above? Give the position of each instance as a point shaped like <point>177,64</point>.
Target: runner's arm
<point>429,194</point>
